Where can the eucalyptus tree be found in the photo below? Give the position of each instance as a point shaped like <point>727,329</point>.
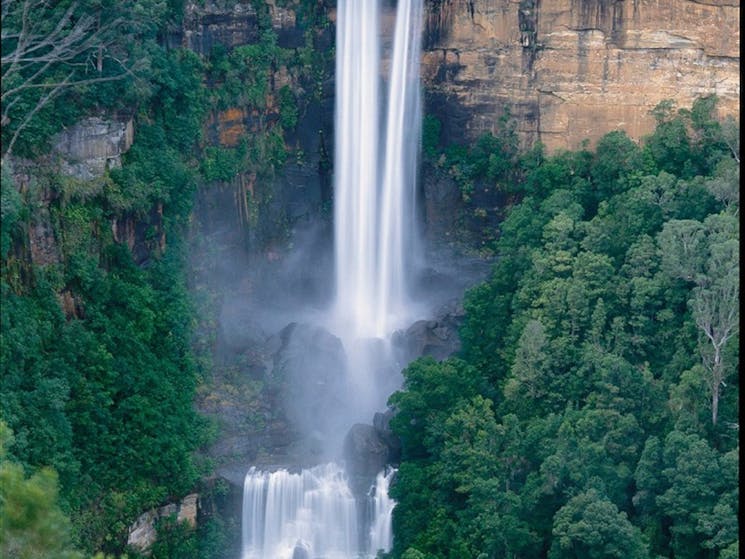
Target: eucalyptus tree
<point>707,254</point>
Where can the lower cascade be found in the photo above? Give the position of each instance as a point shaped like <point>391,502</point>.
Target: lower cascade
<point>381,535</point>
<point>312,514</point>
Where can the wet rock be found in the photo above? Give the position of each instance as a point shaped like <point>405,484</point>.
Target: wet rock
<point>309,370</point>
<point>142,533</point>
<point>366,453</point>
<point>42,242</point>
<point>187,511</point>
<point>300,551</point>
<point>382,425</point>
<point>238,331</point>
<point>437,337</point>
<point>443,204</point>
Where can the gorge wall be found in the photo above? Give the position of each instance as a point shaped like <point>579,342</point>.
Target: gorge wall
<point>576,69</point>
<point>569,70</point>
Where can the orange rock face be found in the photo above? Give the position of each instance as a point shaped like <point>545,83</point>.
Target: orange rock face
<point>230,126</point>
<point>572,70</point>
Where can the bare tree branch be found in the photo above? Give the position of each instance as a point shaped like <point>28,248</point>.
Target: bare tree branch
<point>731,136</point>
<point>47,50</point>
<point>30,115</point>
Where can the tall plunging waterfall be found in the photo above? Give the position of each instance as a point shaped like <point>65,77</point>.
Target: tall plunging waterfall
<point>356,164</point>
<point>374,219</point>
<point>314,514</point>
<point>397,210</point>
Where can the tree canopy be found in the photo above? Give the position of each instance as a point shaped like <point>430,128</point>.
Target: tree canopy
<point>594,413</point>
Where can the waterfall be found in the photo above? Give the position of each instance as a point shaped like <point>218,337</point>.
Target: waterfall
<point>397,210</point>
<point>374,209</point>
<point>374,196</point>
<point>381,535</point>
<point>313,514</point>
<point>356,163</point>
<point>308,514</point>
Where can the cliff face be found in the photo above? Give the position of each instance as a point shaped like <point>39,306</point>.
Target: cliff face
<point>302,184</point>
<point>576,69</point>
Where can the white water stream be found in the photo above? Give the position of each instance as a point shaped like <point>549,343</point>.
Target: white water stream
<point>356,227</point>
<point>313,514</point>
<point>381,535</point>
<point>312,511</point>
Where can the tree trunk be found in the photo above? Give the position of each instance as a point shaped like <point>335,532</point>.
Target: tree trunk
<point>716,383</point>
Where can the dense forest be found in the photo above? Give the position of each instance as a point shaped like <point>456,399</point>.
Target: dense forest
<point>98,376</point>
<point>593,411</point>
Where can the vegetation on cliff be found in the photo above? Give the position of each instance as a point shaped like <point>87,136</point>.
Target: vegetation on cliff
<point>98,367</point>
<point>593,411</point>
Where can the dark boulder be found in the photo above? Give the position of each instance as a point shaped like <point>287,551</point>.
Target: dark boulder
<point>437,337</point>
<point>366,454</point>
<point>300,551</point>
<point>309,370</point>
<point>382,426</point>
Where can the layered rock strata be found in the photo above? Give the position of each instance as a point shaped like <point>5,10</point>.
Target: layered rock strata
<point>572,70</point>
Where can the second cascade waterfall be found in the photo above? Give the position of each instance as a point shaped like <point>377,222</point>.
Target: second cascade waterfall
<point>314,513</point>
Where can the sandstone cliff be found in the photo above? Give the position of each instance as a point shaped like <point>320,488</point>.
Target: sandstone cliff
<point>575,69</point>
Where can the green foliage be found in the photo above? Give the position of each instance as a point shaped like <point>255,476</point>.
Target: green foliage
<point>567,169</point>
<point>616,157</point>
<point>98,373</point>
<point>107,399</point>
<point>288,112</point>
<point>707,254</point>
<point>431,128</point>
<point>688,143</point>
<point>413,553</point>
<point>175,539</point>
<point>222,164</point>
<point>724,185</point>
<point>482,170</point>
<point>431,390</point>
<point>697,494</point>
<point>103,392</point>
<point>243,78</point>
<point>590,526</point>
<point>148,179</point>
<point>179,101</point>
<point>599,415</point>
<point>11,212</point>
<point>33,383</point>
<point>32,525</point>
<point>209,540</point>
<point>243,74</point>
